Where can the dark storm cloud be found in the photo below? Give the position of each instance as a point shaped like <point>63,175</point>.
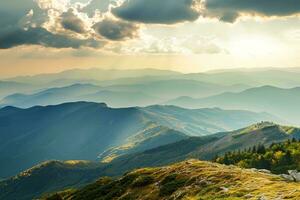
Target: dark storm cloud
<point>157,11</point>
<point>13,32</point>
<point>72,22</point>
<point>40,36</point>
<point>116,30</point>
<point>230,10</point>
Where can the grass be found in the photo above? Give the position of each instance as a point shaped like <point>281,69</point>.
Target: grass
<point>189,180</point>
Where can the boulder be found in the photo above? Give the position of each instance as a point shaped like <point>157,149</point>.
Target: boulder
<point>295,174</point>
<point>287,177</point>
<point>264,171</point>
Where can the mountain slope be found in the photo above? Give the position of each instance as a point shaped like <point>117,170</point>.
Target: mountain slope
<point>153,136</point>
<point>68,131</point>
<point>82,130</point>
<point>278,101</point>
<point>207,147</point>
<point>200,122</point>
<point>48,177</point>
<point>171,153</point>
<point>188,180</point>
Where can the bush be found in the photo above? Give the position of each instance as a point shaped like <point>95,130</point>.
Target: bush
<point>143,181</point>
<point>170,184</point>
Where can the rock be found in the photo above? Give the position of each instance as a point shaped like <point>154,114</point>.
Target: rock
<point>264,171</point>
<point>262,198</point>
<point>248,196</point>
<point>295,174</point>
<point>287,177</point>
<point>224,189</point>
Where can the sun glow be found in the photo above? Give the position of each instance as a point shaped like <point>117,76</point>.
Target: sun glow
<point>253,46</point>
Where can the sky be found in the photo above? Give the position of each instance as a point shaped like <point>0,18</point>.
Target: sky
<point>41,36</point>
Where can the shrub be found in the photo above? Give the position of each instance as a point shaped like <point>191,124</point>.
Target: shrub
<point>143,181</point>
<point>170,184</point>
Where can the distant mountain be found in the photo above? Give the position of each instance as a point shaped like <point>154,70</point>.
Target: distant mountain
<point>10,87</point>
<point>82,130</point>
<point>278,101</point>
<point>191,179</point>
<point>92,74</point>
<point>50,96</point>
<point>168,89</point>
<point>174,84</point>
<point>80,92</point>
<point>276,77</point>
<point>144,94</point>
<point>280,77</point>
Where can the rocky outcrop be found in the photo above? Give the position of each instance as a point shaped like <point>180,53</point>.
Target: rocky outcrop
<point>293,175</point>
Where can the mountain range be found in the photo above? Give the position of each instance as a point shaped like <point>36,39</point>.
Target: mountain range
<point>143,94</point>
<point>280,77</point>
<point>83,131</point>
<point>281,102</point>
<point>73,174</point>
<point>63,131</point>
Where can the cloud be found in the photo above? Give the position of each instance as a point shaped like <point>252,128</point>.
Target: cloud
<point>35,23</point>
<point>158,11</point>
<point>40,36</point>
<point>116,30</point>
<point>97,5</point>
<point>189,45</point>
<point>171,12</point>
<point>230,10</point>
<point>94,23</point>
<point>72,22</point>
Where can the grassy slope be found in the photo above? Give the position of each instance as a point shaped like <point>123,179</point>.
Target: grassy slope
<point>188,180</point>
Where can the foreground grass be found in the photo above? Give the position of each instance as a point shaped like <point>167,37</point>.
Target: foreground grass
<point>187,180</point>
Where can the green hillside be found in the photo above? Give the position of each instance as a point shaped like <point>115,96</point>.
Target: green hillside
<point>187,180</point>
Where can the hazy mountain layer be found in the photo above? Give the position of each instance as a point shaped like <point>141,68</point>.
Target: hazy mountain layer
<point>277,77</point>
<point>92,74</point>
<point>160,85</point>
<point>80,92</point>
<point>280,102</point>
<point>143,94</point>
